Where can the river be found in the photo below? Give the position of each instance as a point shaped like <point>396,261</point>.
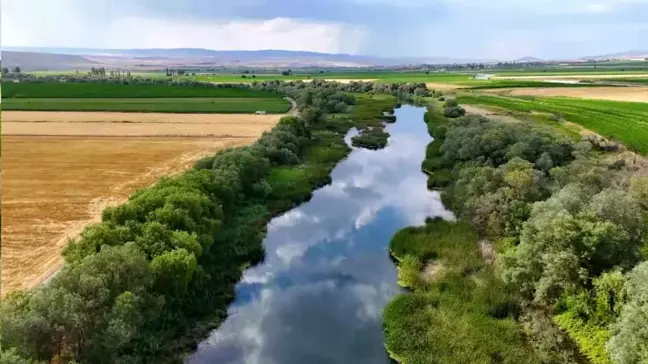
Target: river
<point>319,294</point>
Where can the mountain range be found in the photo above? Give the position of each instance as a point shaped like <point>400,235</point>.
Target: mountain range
<point>54,58</point>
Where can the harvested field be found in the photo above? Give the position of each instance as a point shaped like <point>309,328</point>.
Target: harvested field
<point>582,76</point>
<point>635,94</point>
<point>443,86</point>
<point>116,117</point>
<point>54,185</point>
<point>103,129</point>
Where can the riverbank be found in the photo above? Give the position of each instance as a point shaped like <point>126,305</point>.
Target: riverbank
<point>540,247</point>
<point>456,311</point>
<point>156,275</point>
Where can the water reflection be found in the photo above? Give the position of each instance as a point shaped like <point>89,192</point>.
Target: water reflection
<point>319,295</point>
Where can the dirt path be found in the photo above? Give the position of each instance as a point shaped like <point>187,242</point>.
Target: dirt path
<point>293,107</point>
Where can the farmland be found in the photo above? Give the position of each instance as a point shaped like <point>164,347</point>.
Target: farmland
<point>634,94</point>
<point>162,105</point>
<point>623,121</point>
<point>84,167</point>
<point>117,90</point>
<point>139,98</point>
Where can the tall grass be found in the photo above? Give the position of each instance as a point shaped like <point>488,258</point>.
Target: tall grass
<point>463,314</point>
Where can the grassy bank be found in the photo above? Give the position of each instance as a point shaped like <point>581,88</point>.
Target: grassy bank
<point>167,105</point>
<point>623,121</point>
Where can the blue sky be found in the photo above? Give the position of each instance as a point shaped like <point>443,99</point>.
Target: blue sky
<point>502,29</point>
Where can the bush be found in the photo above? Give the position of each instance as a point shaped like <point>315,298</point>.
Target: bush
<point>374,138</point>
<point>454,112</point>
<point>451,103</point>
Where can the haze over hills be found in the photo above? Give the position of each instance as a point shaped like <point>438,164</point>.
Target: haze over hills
<point>178,57</point>
<point>634,54</point>
<point>55,58</point>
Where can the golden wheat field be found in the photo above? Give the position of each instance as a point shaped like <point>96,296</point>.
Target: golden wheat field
<point>58,176</point>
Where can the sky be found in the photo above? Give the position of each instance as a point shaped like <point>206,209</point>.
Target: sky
<point>495,29</point>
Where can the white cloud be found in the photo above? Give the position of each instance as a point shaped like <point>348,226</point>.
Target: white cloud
<point>597,8</point>
<point>278,33</point>
<point>98,24</point>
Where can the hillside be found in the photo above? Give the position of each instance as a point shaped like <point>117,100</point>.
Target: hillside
<point>34,61</point>
<point>199,57</point>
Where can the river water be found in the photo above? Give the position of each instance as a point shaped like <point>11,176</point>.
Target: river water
<point>319,294</point>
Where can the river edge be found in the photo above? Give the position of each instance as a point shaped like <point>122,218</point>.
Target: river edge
<point>330,135</point>
<point>434,259</point>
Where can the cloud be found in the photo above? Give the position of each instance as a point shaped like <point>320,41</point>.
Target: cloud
<point>277,33</point>
<point>506,29</point>
<point>98,24</point>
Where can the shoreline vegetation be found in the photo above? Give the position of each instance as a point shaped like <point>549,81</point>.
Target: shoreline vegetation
<point>544,263</point>
<point>157,274</point>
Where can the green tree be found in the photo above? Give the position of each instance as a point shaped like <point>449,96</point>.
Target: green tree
<point>630,334</point>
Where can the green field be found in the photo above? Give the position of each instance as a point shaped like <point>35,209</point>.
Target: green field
<point>138,98</point>
<point>115,90</point>
<point>166,105</point>
<point>623,121</point>
<point>637,81</point>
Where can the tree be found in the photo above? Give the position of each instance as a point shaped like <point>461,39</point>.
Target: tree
<point>312,115</point>
<point>629,334</point>
<point>17,69</point>
<point>5,70</point>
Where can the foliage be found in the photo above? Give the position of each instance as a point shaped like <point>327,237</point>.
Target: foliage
<point>628,343</point>
<point>374,138</point>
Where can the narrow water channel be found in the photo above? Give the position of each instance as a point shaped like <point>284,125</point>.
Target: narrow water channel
<point>318,296</point>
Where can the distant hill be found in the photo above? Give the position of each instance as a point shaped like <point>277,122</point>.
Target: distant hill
<point>34,61</point>
<point>528,60</point>
<point>622,55</point>
<point>261,58</point>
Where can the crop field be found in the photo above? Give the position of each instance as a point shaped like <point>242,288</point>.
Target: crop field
<point>623,121</point>
<point>163,105</point>
<point>53,185</point>
<point>633,94</point>
<point>139,98</point>
<point>120,91</point>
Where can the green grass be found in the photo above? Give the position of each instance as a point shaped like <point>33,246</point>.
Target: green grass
<point>631,80</point>
<point>166,105</point>
<point>463,315</point>
<point>623,121</point>
<point>112,90</point>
